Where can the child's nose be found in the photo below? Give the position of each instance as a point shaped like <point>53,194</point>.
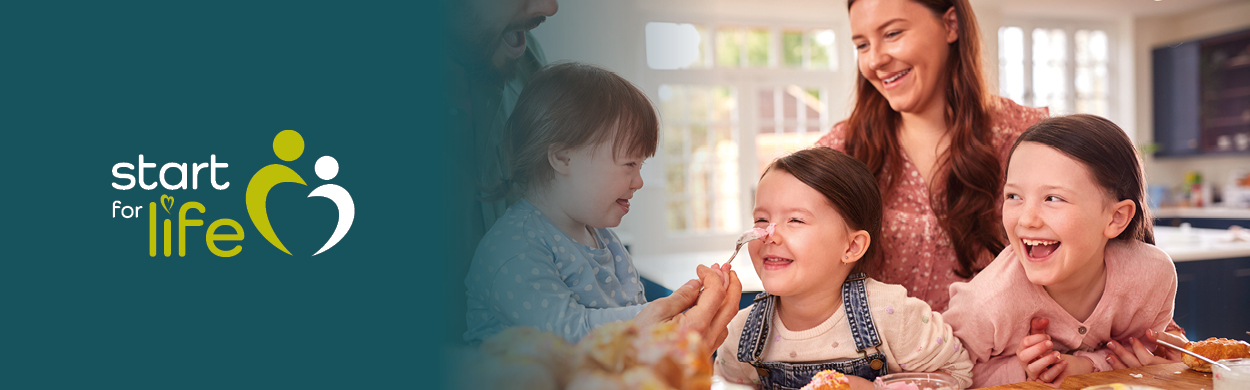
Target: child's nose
<point>774,238</point>
<point>1029,216</point>
<point>636,182</point>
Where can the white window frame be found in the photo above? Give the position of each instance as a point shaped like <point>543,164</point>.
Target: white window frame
<point>746,81</point>
<point>1070,27</point>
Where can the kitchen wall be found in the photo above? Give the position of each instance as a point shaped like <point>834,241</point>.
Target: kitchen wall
<point>1151,32</point>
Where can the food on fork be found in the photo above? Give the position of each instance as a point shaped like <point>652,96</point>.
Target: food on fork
<point>760,232</point>
<point>1215,349</point>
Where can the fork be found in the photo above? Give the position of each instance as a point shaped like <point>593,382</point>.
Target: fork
<point>750,235</point>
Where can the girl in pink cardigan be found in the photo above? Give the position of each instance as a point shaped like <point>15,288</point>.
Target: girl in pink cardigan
<point>1080,255</point>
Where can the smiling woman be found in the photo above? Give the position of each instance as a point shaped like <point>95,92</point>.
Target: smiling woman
<point>933,137</point>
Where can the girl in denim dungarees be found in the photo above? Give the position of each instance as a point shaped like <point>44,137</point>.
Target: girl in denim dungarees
<point>821,311</point>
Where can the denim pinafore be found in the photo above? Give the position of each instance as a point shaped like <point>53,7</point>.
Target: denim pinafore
<point>781,375</point>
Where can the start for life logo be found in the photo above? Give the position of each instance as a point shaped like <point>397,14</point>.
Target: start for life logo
<point>289,145</point>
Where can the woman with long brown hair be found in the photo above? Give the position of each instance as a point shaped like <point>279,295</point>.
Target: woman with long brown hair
<point>935,139</point>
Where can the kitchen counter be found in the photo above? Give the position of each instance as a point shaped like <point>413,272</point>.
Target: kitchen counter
<point>1201,244</point>
<point>1183,245</point>
<point>1201,212</point>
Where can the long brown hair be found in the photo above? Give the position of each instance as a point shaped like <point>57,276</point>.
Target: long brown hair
<point>847,185</point>
<point>1110,156</point>
<point>570,105</point>
<point>970,171</point>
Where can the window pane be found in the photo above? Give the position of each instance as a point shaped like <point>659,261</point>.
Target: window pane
<point>675,45</point>
<point>724,105</point>
<point>1049,73</point>
<point>677,215</point>
<point>729,42</point>
<point>824,56</point>
<point>792,49</point>
<point>757,47</point>
<point>1011,64</point>
<point>1091,72</point>
<point>803,121</point>
<point>701,158</point>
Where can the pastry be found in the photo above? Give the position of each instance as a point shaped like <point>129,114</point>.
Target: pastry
<point>1215,349</point>
<point>667,354</point>
<point>828,380</point>
<point>618,355</point>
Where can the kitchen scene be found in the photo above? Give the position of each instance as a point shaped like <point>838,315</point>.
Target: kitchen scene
<point>738,84</point>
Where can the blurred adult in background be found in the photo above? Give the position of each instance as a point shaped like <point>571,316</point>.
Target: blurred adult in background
<point>489,56</point>
<point>934,137</point>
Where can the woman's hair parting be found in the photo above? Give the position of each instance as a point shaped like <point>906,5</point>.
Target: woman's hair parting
<point>965,201</point>
<point>568,106</point>
<point>848,186</point>
<point>1110,156</point>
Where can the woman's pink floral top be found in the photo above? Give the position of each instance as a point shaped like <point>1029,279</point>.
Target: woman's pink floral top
<point>917,252</point>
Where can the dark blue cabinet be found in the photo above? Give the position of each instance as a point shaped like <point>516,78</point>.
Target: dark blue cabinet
<point>1177,93</point>
<point>1213,298</point>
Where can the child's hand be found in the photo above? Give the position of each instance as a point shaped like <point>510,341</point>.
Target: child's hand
<point>1140,356</point>
<point>1037,355</point>
<point>721,270</point>
<point>707,312</point>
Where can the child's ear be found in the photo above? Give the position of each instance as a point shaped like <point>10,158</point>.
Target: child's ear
<point>1121,214</point>
<point>951,21</point>
<point>857,245</point>
<point>558,157</point>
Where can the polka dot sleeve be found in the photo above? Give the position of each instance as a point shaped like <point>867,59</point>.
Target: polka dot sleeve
<point>527,290</point>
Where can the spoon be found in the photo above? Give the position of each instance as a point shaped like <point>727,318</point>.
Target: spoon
<point>1187,352</point>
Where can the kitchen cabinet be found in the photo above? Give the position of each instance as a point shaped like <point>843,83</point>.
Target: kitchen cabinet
<point>1176,99</point>
<point>1213,298</point>
<point>1202,96</point>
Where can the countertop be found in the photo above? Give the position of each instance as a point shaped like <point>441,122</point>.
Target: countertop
<point>1201,244</point>
<point>1201,212</point>
<point>675,269</point>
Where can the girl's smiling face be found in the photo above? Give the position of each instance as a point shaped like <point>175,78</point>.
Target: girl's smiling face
<point>598,186</point>
<point>805,253</point>
<point>903,50</point>
<point>1058,219</point>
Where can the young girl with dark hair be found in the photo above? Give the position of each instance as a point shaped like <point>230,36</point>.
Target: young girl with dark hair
<point>1080,256</point>
<point>820,310</point>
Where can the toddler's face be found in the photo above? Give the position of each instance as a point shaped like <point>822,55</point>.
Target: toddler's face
<point>1055,214</point>
<point>804,253</point>
<point>600,186</point>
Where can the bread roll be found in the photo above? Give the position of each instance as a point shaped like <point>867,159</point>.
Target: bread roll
<point>1214,349</point>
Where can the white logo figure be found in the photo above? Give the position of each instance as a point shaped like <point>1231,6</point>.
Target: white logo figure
<point>327,167</point>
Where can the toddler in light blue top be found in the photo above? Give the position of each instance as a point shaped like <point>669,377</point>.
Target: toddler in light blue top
<point>517,283</point>
<point>575,144</point>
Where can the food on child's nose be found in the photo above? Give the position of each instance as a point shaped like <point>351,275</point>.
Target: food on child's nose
<point>1215,349</point>
<point>757,233</point>
<point>828,380</point>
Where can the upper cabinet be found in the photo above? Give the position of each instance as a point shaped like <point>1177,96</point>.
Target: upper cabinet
<point>1202,96</point>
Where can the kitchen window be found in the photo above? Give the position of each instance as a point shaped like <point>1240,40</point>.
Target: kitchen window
<point>732,97</point>
<point>1064,66</point>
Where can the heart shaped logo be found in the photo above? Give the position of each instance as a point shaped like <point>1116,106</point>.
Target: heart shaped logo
<point>288,145</point>
<point>169,205</point>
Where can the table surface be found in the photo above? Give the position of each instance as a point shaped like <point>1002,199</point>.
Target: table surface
<point>1163,376</point>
